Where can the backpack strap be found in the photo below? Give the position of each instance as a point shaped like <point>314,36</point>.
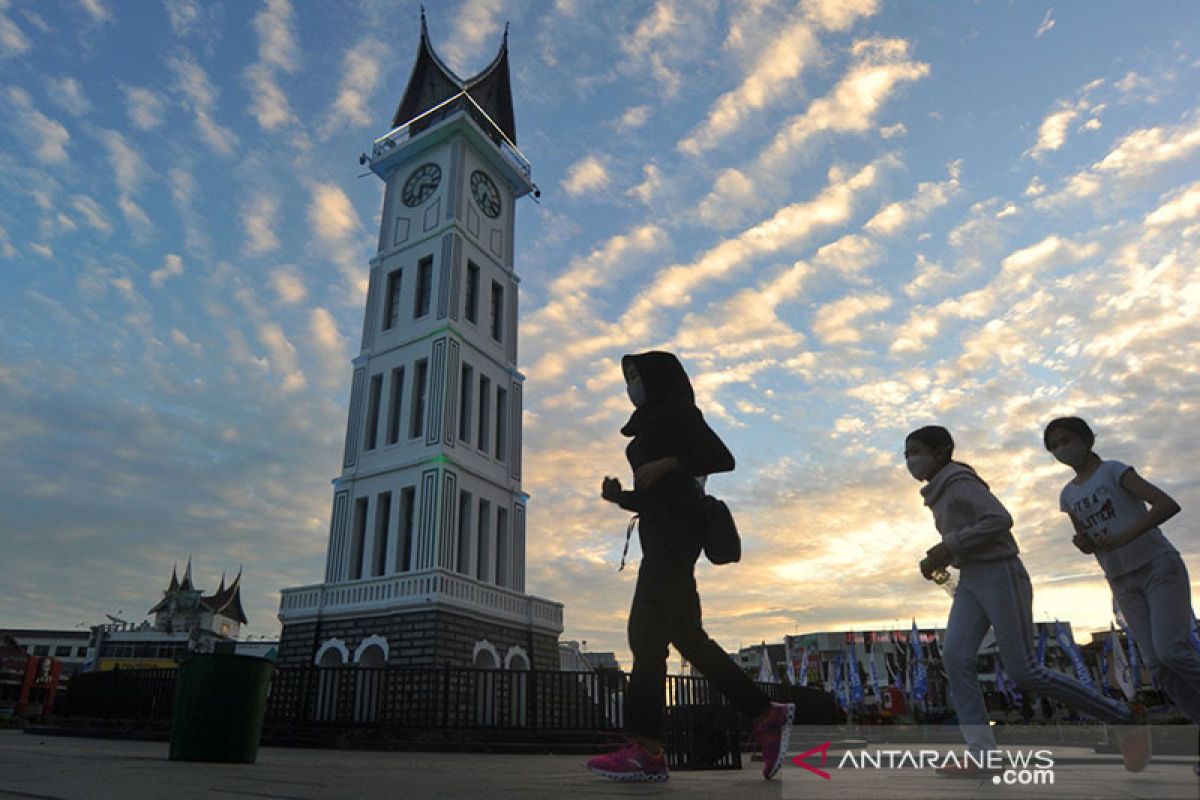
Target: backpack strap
<point>628,532</point>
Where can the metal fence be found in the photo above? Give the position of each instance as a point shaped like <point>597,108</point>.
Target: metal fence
<point>438,698</point>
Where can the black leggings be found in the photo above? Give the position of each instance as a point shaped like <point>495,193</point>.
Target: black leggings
<point>666,610</point>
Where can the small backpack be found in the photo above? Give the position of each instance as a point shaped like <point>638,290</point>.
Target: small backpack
<point>722,544</point>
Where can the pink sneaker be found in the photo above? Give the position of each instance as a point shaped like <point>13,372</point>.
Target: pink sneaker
<point>772,736</point>
<point>633,762</point>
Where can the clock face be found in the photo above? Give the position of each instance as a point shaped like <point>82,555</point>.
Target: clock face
<point>485,193</point>
<point>421,185</point>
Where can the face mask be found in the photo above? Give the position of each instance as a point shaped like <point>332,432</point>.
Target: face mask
<point>637,393</point>
<point>919,466</point>
<point>1073,454</point>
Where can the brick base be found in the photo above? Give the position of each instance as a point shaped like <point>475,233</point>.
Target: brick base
<point>430,638</point>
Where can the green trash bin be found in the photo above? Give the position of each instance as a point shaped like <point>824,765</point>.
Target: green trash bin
<point>220,700</point>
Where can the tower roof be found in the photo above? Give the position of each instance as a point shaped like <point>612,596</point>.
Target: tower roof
<point>432,82</point>
<point>227,601</point>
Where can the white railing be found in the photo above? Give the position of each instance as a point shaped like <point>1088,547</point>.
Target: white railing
<point>389,141</point>
<point>435,586</point>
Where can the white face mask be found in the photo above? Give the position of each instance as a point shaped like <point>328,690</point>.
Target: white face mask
<point>1073,454</point>
<point>637,392</point>
<point>920,465</point>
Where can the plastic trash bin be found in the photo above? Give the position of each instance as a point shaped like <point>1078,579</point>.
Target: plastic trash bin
<point>220,700</point>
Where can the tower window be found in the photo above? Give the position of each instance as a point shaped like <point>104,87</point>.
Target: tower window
<point>424,286</point>
<point>394,395</point>
<point>383,514</point>
<point>464,532</point>
<point>416,423</point>
<point>360,533</point>
<point>502,548</point>
<point>373,412</point>
<point>408,503</point>
<point>501,419</point>
<point>466,390</point>
<point>391,312</point>
<point>497,311</point>
<point>483,551</point>
<point>472,310</point>
<point>485,389</point>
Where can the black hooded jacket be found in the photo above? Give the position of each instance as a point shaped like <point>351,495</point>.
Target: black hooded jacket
<point>668,424</point>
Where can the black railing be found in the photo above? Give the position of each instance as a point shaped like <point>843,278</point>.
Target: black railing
<point>439,698</point>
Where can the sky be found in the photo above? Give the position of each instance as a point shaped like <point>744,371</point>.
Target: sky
<point>850,218</point>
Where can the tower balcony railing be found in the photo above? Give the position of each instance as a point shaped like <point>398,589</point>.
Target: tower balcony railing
<point>461,103</point>
<point>410,589</point>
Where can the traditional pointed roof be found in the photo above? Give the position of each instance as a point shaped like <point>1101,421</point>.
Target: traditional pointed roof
<point>432,82</point>
<point>227,601</point>
<point>186,584</point>
<point>174,584</point>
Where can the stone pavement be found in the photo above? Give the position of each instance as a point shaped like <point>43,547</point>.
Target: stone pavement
<point>54,768</point>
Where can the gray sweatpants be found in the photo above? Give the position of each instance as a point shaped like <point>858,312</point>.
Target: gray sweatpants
<point>997,594</point>
<point>1156,600</point>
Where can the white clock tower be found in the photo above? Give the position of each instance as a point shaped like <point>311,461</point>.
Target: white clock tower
<point>426,553</point>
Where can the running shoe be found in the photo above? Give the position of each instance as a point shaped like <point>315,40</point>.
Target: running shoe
<point>633,762</point>
<point>772,736</point>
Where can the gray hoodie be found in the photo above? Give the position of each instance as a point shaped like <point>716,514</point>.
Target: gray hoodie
<point>973,523</point>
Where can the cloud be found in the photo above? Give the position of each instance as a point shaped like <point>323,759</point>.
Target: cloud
<point>785,229</point>
<point>651,184</point>
<point>288,286</point>
<point>129,171</point>
<point>929,197</point>
<point>184,193</point>
<point>281,355</point>
<point>330,213</point>
<point>634,117</point>
<point>13,41</point>
<point>172,268</point>
<point>360,77</point>
<point>91,212</point>
<point>1184,206</point>
<point>184,16</point>
<point>97,10</point>
<point>128,167</point>
<point>586,175</point>
<point>277,50</point>
<point>1052,133</point>
<point>46,137</point>
<point>792,46</point>
<point>881,66</point>
<point>6,247</point>
<point>331,348</point>
<point>474,24</point>
<point>1135,156</point>
<point>837,322</point>
<point>201,98</point>
<point>336,227</point>
<point>144,106</point>
<point>67,93</point>
<point>1046,24</point>
<point>673,33</point>
<point>258,219</point>
<point>893,131</point>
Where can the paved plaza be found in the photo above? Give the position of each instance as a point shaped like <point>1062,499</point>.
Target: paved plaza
<point>51,767</point>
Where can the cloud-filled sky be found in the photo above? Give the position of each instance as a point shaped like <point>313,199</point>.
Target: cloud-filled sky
<point>849,217</point>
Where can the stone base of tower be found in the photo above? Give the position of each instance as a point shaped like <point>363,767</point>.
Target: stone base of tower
<point>434,618</point>
<point>420,639</point>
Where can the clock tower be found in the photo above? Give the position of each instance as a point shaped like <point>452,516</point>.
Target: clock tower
<point>426,554</point>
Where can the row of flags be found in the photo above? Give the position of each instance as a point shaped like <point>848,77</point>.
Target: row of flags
<point>909,671</point>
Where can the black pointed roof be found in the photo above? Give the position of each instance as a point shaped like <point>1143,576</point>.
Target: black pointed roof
<point>432,82</point>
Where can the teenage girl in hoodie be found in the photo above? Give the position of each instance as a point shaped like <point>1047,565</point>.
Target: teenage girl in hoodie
<point>993,592</point>
<point>1107,504</point>
<point>671,449</point>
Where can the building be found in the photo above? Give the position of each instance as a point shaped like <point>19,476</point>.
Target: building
<point>426,552</point>
<point>185,620</point>
<point>28,684</point>
<point>68,647</point>
<point>575,657</point>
